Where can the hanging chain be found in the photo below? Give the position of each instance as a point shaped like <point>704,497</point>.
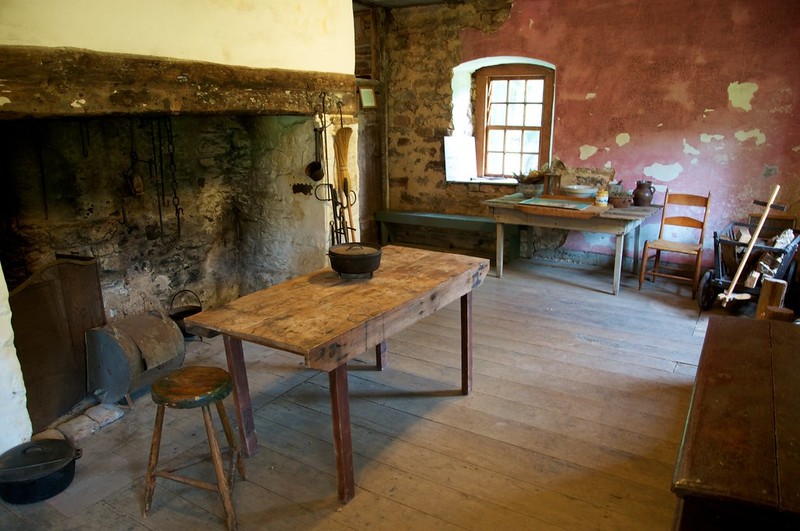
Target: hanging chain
<point>172,169</point>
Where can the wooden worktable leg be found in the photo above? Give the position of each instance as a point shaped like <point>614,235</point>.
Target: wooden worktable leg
<point>466,343</point>
<point>618,263</point>
<point>381,360</point>
<point>637,250</point>
<point>241,395</point>
<point>501,239</point>
<point>342,441</point>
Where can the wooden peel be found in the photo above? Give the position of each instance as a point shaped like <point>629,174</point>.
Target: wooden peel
<point>341,145</point>
<point>726,297</point>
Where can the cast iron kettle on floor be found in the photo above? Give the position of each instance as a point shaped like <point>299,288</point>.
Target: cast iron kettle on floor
<point>37,470</point>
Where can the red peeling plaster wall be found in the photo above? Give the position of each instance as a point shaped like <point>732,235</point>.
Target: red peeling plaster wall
<point>660,71</point>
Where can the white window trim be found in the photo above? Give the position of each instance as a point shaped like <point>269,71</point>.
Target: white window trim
<point>461,85</point>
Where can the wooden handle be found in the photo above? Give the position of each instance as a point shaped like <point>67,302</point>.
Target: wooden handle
<point>727,296</point>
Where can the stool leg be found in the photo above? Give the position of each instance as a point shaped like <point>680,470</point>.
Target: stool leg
<point>222,483</point>
<point>155,445</point>
<point>236,458</point>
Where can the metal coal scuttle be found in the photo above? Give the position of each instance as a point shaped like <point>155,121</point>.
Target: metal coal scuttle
<point>131,354</point>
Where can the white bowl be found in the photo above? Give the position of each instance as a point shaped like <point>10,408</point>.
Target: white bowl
<point>579,190</point>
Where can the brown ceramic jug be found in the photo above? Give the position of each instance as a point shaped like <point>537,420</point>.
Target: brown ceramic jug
<point>643,193</point>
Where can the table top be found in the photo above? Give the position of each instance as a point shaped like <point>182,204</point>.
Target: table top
<point>742,436</point>
<point>329,320</point>
<point>512,201</point>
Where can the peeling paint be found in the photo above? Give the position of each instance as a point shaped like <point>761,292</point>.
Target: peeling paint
<point>4,100</point>
<point>664,172</point>
<point>694,161</point>
<point>796,149</point>
<point>740,94</point>
<point>623,138</point>
<point>743,136</point>
<point>688,149</point>
<point>591,95</point>
<point>77,104</point>
<point>706,138</point>
<point>587,151</point>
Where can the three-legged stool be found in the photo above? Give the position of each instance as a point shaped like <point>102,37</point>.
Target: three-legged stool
<point>188,388</point>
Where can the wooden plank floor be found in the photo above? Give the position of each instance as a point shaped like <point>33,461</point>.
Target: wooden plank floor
<point>574,423</point>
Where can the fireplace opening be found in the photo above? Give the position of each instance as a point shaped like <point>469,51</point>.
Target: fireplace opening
<point>202,202</point>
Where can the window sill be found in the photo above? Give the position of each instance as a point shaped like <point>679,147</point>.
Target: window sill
<point>485,180</point>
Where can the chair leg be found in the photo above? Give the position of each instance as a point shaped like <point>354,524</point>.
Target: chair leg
<point>152,463</point>
<point>219,469</point>
<point>643,263</point>
<point>656,262</point>
<point>698,265</point>
<point>232,444</point>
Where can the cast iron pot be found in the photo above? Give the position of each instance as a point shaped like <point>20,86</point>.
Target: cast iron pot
<point>37,470</point>
<point>355,258</point>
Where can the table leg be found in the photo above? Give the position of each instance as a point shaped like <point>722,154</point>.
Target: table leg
<point>636,249</point>
<point>529,241</point>
<point>342,441</point>
<point>501,239</point>
<point>466,343</point>
<point>241,395</point>
<point>618,263</point>
<point>381,360</point>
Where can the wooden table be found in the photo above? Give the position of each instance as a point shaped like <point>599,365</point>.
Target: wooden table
<point>617,221</point>
<point>739,459</point>
<point>329,321</point>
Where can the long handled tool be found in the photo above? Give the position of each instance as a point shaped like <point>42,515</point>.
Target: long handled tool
<point>341,145</point>
<point>726,297</point>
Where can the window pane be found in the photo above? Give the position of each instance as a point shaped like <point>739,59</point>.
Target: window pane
<point>516,90</point>
<point>497,114</point>
<point>530,142</point>
<point>535,90</point>
<point>514,141</point>
<point>515,114</point>
<point>494,142</point>
<point>498,90</point>
<point>494,163</point>
<point>512,163</point>
<point>531,162</point>
<point>533,115</point>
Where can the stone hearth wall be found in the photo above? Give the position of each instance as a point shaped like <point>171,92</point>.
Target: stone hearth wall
<point>241,227</point>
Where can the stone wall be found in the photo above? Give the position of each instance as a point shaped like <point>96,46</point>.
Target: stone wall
<point>423,45</point>
<point>691,96</point>
<point>241,225</point>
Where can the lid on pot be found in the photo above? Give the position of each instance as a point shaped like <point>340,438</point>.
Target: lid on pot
<point>355,249</point>
<point>36,459</point>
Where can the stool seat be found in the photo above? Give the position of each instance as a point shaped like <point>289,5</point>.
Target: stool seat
<point>190,387</point>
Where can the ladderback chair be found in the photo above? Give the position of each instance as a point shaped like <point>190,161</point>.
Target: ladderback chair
<point>683,227</point>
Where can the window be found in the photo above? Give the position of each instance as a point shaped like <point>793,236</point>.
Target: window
<point>513,118</point>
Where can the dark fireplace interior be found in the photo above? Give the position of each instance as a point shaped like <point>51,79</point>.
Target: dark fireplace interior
<point>216,204</point>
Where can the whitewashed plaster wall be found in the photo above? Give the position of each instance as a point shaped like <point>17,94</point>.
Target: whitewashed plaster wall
<point>311,35</point>
<point>13,413</point>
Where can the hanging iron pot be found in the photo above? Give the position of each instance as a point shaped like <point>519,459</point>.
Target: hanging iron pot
<point>179,313</point>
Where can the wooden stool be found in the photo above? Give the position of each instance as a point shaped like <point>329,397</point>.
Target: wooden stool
<point>188,388</point>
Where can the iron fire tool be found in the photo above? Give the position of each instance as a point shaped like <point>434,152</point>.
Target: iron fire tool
<point>338,225</point>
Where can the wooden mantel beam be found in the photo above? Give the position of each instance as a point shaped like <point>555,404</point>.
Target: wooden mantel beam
<point>37,82</point>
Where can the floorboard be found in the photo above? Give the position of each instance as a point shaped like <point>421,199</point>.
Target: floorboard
<point>574,423</point>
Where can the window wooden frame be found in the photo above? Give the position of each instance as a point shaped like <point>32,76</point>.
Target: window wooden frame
<point>512,71</point>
